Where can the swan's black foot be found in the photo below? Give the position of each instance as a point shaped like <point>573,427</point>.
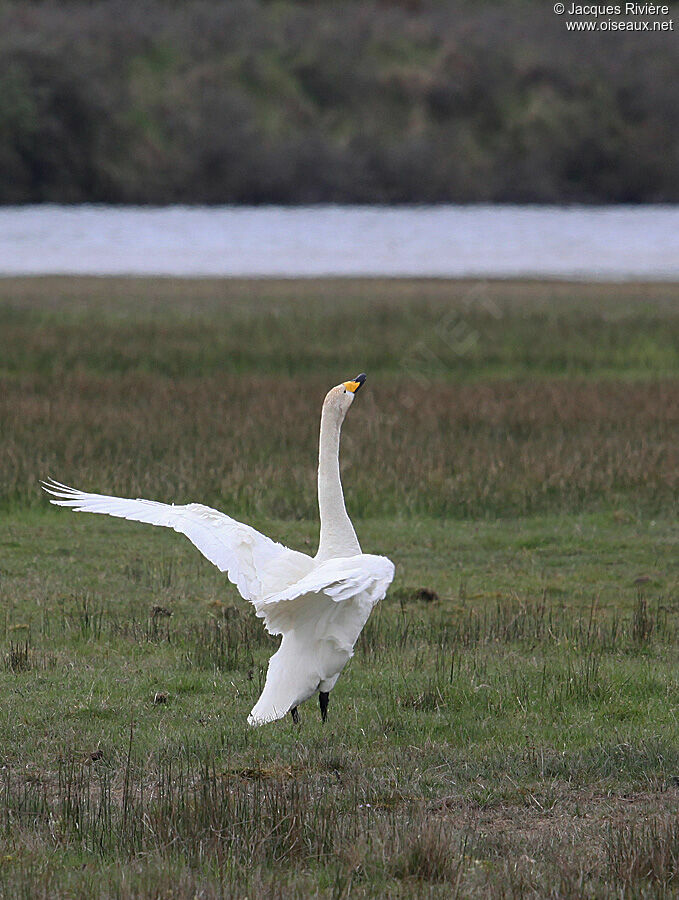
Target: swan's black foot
<point>323,698</point>
<point>295,715</point>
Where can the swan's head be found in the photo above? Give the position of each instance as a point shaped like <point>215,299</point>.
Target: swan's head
<point>340,398</point>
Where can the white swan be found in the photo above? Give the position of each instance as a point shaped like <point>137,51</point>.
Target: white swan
<point>319,605</point>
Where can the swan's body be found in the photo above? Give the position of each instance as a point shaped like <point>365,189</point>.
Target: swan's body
<point>319,605</point>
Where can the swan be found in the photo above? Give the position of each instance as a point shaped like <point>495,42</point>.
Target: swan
<point>318,604</point>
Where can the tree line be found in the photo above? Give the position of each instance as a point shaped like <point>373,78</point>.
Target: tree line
<point>347,101</point>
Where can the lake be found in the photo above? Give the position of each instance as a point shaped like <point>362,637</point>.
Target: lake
<point>480,241</point>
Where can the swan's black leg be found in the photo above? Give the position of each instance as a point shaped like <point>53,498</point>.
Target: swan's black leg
<point>323,698</point>
<point>295,715</point>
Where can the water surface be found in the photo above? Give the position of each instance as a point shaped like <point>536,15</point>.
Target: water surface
<point>600,243</point>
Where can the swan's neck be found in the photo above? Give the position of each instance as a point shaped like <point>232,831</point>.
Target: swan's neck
<point>338,537</point>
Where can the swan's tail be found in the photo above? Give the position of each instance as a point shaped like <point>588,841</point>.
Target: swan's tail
<point>289,682</point>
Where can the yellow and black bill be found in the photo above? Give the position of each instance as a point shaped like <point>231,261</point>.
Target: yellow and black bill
<point>354,385</point>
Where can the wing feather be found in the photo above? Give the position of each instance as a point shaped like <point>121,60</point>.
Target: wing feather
<point>335,581</point>
<point>253,562</point>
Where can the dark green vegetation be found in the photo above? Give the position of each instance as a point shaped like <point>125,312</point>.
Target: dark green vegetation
<point>508,725</point>
<point>342,101</point>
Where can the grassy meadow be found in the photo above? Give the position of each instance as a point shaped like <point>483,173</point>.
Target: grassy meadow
<point>508,725</point>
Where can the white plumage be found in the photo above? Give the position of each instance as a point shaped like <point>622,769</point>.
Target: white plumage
<point>319,605</point>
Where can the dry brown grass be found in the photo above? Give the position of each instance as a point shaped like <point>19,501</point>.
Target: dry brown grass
<point>481,400</point>
<point>250,443</point>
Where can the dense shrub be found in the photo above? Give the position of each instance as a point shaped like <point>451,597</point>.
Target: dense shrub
<point>350,101</point>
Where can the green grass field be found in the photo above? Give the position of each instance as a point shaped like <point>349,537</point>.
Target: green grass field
<point>509,723</point>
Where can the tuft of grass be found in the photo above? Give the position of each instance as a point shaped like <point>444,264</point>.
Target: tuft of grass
<point>644,854</point>
<point>18,658</point>
<point>430,855</point>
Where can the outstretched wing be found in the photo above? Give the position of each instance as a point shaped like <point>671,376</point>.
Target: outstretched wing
<point>320,618</point>
<point>253,562</point>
